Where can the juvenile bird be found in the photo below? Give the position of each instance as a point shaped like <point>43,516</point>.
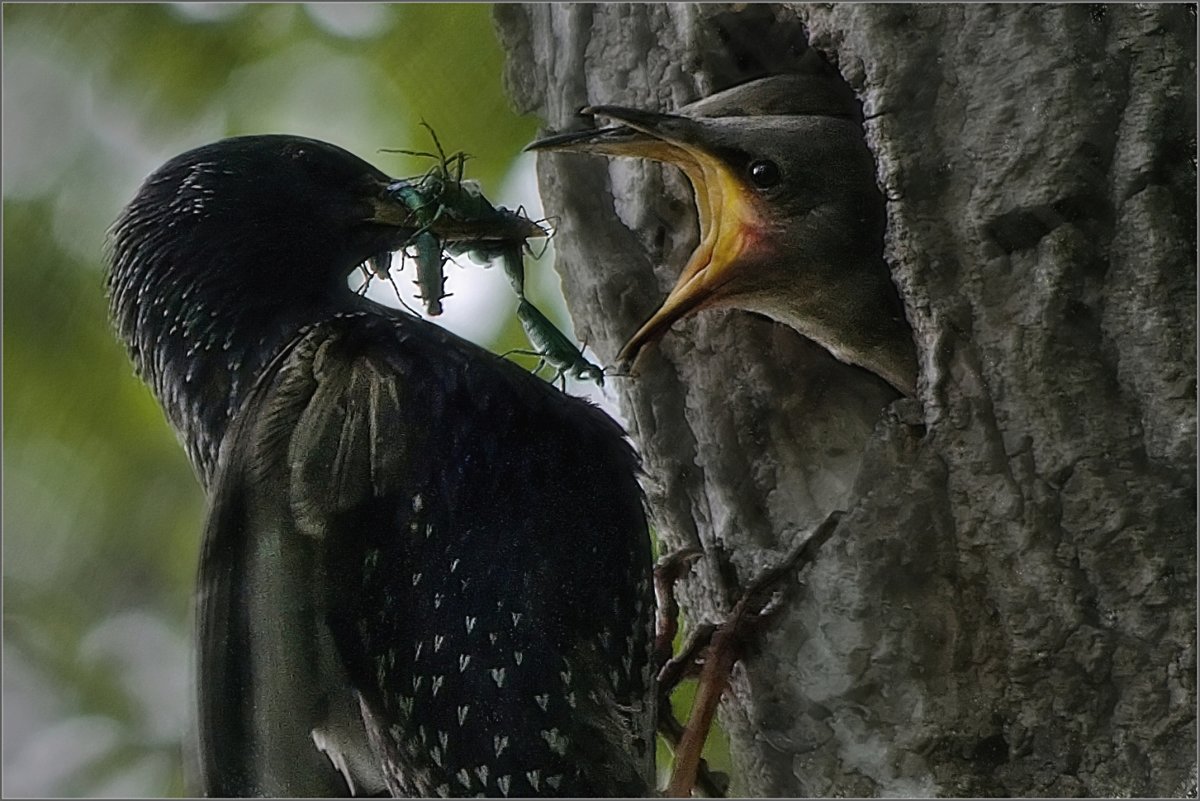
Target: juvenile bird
<point>791,220</point>
<point>418,558</point>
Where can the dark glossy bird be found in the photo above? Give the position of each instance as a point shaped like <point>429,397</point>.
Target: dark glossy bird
<point>424,571</point>
<point>791,219</point>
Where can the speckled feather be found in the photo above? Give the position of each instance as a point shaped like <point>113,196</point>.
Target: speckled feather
<point>404,529</point>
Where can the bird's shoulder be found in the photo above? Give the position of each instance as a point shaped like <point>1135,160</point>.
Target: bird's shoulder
<point>355,405</point>
<point>380,455</point>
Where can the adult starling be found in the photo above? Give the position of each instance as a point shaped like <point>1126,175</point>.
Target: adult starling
<point>418,558</point>
<point>791,220</point>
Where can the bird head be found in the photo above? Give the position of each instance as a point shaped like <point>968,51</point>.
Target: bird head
<point>756,181</point>
<point>228,248</point>
<point>274,207</point>
<point>791,219</point>
<point>278,208</point>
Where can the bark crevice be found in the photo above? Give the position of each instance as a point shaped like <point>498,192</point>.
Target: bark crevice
<point>1008,607</point>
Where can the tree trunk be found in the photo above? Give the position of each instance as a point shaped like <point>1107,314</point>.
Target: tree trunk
<point>1008,607</point>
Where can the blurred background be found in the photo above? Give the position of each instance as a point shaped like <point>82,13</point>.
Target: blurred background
<point>101,513</point>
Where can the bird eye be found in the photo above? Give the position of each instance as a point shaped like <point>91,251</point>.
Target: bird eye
<point>764,174</point>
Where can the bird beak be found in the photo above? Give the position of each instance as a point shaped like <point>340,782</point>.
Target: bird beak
<point>618,140</point>
<point>500,225</point>
<point>732,220</point>
<point>388,207</point>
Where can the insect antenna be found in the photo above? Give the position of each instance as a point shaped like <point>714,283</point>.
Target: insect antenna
<point>548,224</point>
<point>420,153</point>
<point>396,290</point>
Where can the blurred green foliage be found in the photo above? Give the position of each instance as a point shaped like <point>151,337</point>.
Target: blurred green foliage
<point>101,511</point>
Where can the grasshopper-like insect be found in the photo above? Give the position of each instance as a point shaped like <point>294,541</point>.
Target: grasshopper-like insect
<point>553,348</point>
<point>426,247</point>
<point>466,222</point>
<point>455,218</point>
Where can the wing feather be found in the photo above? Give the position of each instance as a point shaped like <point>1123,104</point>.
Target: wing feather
<point>370,458</point>
<point>322,432</point>
<point>259,639</point>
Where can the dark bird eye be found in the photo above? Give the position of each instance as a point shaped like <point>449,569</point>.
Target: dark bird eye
<point>764,174</point>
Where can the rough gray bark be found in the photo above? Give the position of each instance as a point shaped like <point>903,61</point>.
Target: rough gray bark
<point>1008,607</point>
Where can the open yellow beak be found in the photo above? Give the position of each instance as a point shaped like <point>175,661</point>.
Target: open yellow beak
<point>728,211</point>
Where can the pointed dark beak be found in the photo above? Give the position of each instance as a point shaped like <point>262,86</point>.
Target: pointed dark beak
<point>397,199</point>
